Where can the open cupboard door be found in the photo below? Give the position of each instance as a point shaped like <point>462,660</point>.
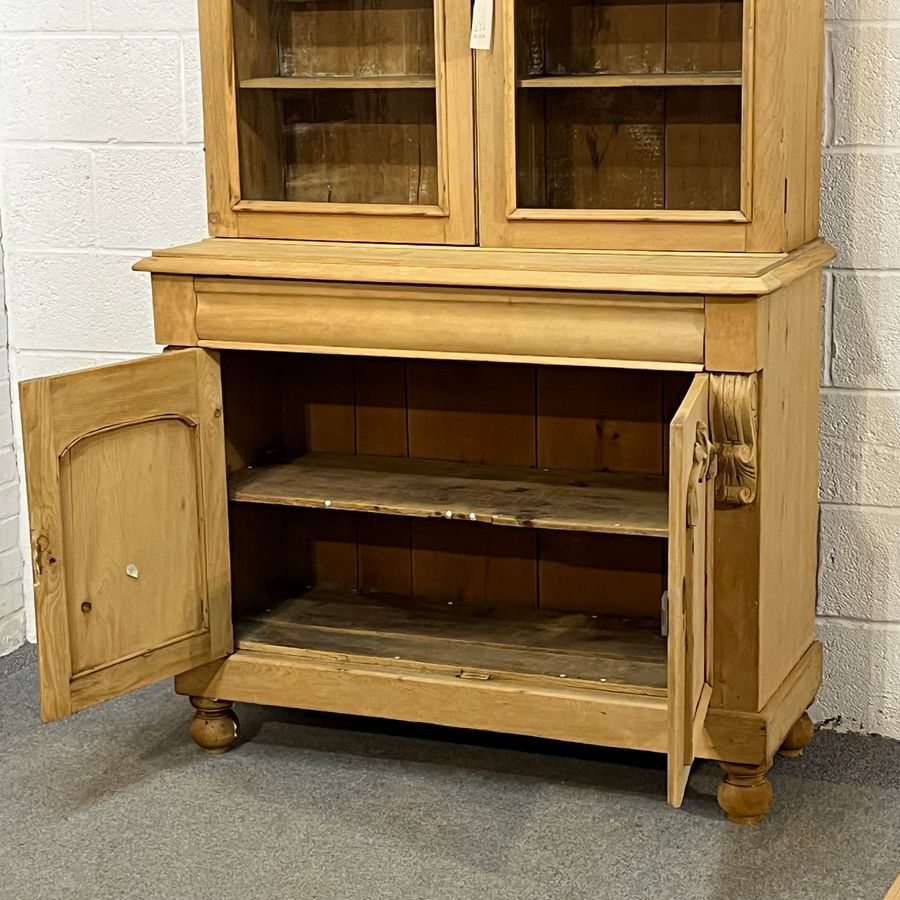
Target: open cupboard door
<point>691,474</point>
<point>127,492</point>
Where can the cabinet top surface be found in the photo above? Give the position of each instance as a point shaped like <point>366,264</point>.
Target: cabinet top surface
<point>743,274</point>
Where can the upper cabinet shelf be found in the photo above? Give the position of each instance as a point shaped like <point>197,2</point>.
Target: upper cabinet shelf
<point>681,79</point>
<point>663,125</point>
<point>340,82</point>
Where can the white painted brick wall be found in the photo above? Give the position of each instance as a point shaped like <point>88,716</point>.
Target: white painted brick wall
<point>12,613</point>
<point>859,577</point>
<point>101,160</point>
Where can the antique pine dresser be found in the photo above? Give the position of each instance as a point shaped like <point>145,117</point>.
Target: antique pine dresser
<point>490,402</point>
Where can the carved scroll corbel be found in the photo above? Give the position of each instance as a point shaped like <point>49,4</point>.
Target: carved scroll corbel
<point>734,421</point>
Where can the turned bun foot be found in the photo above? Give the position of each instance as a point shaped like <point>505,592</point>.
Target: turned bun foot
<point>798,738</point>
<point>746,793</point>
<point>215,726</point>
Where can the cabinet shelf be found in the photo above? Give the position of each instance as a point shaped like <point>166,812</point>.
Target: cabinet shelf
<point>666,79</point>
<point>341,82</point>
<point>499,495</point>
<point>477,642</point>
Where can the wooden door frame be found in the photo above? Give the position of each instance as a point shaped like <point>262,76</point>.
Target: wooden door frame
<point>55,419</point>
<point>777,212</point>
<point>450,222</point>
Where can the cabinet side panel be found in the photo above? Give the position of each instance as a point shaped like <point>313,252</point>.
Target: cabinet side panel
<point>789,469</point>
<point>735,599</point>
<point>252,396</point>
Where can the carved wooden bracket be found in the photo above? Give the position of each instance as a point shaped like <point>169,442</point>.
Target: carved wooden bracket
<point>734,418</point>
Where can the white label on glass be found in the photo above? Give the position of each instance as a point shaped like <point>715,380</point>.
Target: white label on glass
<point>482,25</point>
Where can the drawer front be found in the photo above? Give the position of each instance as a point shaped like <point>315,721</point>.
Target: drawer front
<point>516,326</point>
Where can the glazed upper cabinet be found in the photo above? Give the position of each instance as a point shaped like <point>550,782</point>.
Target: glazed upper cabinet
<point>678,125</point>
<point>340,119</point>
<point>596,124</point>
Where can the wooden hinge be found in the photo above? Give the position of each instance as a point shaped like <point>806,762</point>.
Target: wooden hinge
<point>40,549</point>
<point>474,676</point>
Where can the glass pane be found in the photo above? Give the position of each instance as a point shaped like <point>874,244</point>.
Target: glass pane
<point>594,37</point>
<point>629,104</point>
<point>337,100</point>
<point>629,148</point>
<point>356,37</point>
<point>361,146</point>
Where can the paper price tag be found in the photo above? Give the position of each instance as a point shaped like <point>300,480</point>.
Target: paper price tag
<point>482,25</point>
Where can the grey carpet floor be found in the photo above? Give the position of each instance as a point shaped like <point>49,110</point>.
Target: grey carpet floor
<point>117,802</point>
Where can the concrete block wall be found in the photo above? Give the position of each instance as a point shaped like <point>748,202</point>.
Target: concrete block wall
<point>101,160</point>
<point>859,575</point>
<point>12,597</point>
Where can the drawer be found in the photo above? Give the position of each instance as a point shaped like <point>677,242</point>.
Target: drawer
<point>639,331</point>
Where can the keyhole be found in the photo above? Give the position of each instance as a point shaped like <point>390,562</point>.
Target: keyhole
<point>86,607</point>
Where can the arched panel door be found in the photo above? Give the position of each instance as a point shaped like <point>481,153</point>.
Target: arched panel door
<point>128,507</point>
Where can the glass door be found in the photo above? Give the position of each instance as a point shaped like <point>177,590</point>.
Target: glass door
<point>614,111</point>
<point>353,119</point>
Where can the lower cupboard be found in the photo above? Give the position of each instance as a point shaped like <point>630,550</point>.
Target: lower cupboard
<point>485,545</point>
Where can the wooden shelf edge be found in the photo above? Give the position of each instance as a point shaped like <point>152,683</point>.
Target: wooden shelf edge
<point>341,82</point>
<point>355,209</point>
<point>651,80</point>
<point>598,503</point>
<point>649,272</point>
<point>536,682</point>
<point>524,214</point>
<point>597,652</point>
